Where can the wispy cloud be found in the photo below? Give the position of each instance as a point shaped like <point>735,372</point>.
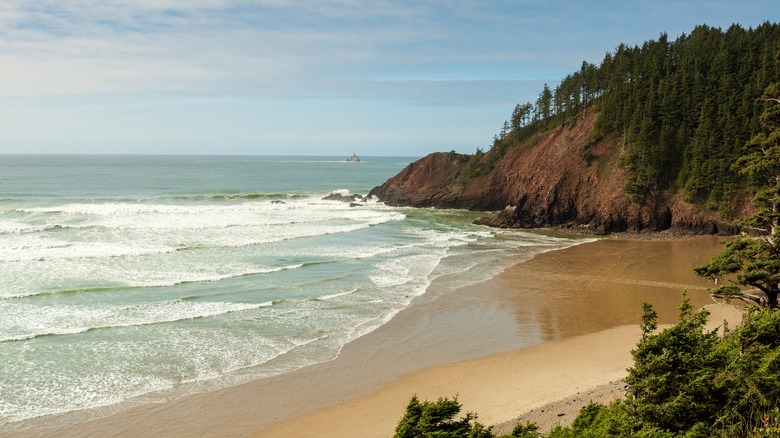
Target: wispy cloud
<point>207,71</point>
<point>89,47</point>
<point>272,46</point>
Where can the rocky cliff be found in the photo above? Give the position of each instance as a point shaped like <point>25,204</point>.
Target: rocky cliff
<point>551,181</point>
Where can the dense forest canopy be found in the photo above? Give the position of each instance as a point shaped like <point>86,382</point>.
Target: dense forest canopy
<point>683,111</point>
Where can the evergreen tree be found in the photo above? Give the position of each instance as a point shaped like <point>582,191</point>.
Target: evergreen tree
<point>438,420</point>
<point>756,261</point>
<point>671,380</point>
<point>681,110</point>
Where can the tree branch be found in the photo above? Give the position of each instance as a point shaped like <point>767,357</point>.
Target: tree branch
<point>753,300</point>
<point>770,99</point>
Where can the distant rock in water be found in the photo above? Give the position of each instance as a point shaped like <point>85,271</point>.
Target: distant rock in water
<point>337,196</point>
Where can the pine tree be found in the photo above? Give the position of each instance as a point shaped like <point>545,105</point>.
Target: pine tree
<point>756,261</point>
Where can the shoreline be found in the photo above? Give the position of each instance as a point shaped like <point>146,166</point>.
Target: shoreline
<point>554,298</point>
<point>498,388</point>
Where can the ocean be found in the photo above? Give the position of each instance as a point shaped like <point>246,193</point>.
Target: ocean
<point>136,279</point>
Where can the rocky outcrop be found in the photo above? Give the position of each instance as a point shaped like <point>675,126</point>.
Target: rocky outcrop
<point>344,198</point>
<point>549,183</point>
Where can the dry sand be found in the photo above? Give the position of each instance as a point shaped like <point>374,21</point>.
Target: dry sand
<point>545,330</point>
<point>498,387</point>
<point>547,384</point>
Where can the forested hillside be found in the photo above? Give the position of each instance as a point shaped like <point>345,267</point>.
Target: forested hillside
<point>691,131</point>
<point>646,140</point>
<point>681,111</point>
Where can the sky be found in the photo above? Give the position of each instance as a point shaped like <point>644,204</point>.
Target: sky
<point>305,77</point>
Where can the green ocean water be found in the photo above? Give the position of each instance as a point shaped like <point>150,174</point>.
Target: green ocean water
<point>127,279</point>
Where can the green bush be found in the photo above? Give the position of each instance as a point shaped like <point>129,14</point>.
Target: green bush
<point>438,420</point>
<point>686,382</point>
<point>671,380</point>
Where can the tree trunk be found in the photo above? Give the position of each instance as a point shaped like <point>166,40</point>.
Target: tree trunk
<point>771,298</point>
<point>775,209</point>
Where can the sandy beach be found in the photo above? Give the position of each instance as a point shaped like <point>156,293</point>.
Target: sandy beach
<point>552,328</point>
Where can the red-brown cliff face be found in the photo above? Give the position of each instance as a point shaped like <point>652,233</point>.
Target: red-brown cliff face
<point>548,183</point>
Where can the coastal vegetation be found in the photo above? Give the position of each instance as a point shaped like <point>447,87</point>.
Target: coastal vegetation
<point>756,261</point>
<point>438,419</point>
<point>681,111</point>
<point>686,381</point>
<point>701,116</point>
<point>658,136</point>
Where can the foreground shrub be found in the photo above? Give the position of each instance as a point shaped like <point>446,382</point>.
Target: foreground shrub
<point>685,382</point>
<point>688,382</point>
<point>671,381</point>
<point>438,420</point>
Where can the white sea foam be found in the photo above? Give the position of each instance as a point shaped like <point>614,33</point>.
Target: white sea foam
<point>113,234</point>
<point>201,216</point>
<point>117,300</point>
<point>404,275</point>
<point>337,295</point>
<point>17,325</point>
<point>342,192</point>
<point>106,299</point>
<point>99,276</point>
<point>10,227</point>
<point>446,239</point>
<point>27,399</point>
<point>124,371</point>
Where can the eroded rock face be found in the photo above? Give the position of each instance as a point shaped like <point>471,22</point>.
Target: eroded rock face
<point>549,184</point>
<point>428,182</point>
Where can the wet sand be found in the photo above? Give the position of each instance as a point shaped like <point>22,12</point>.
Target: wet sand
<point>562,322</point>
